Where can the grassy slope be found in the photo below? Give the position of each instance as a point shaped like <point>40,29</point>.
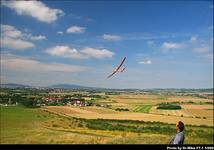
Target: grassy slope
<point>22,125</point>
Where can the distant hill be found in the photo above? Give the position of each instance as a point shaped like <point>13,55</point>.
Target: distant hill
<point>80,87</point>
<point>14,85</point>
<point>70,86</point>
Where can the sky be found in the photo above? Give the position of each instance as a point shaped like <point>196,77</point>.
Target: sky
<point>167,44</point>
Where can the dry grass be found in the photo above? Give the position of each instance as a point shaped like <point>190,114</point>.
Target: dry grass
<point>198,107</point>
<point>153,99</point>
<point>99,110</point>
<point>81,113</point>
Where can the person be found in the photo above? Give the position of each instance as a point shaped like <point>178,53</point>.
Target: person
<point>179,137</point>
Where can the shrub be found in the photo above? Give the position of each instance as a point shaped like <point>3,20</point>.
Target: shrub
<point>169,106</point>
<point>55,125</point>
<point>122,109</point>
<point>29,103</point>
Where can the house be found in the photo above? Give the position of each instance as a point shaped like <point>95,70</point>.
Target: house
<point>78,102</point>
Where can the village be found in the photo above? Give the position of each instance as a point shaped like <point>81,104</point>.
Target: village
<point>51,100</point>
<point>35,99</point>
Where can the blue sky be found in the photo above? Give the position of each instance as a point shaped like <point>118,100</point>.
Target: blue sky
<point>168,44</point>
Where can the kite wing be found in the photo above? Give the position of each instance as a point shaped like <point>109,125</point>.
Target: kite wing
<point>118,68</point>
<point>112,74</point>
<point>121,63</point>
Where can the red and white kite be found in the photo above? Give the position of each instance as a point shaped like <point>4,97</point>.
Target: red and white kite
<point>118,68</point>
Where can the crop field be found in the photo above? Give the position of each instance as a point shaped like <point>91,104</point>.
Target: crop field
<point>81,113</point>
<point>192,111</point>
<point>143,108</point>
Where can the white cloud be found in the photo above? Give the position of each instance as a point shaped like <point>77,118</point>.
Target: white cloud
<point>16,44</point>
<point>35,9</point>
<point>170,45</point>
<point>148,62</point>
<point>110,37</point>
<point>40,37</point>
<point>67,52</point>
<point>10,31</point>
<point>23,64</point>
<point>97,53</point>
<point>59,32</point>
<point>76,29</point>
<point>16,39</point>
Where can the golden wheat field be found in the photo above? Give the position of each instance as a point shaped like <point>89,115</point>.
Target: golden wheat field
<point>196,113</point>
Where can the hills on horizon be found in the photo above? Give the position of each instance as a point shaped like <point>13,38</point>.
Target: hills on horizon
<point>74,86</point>
<point>62,86</point>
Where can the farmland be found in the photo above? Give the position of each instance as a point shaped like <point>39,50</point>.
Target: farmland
<point>143,108</point>
<point>123,118</point>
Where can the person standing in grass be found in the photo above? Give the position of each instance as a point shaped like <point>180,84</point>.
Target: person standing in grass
<point>179,137</point>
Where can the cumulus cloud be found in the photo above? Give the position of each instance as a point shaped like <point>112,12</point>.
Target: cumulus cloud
<point>16,43</point>
<point>17,63</point>
<point>170,45</point>
<point>67,52</point>
<point>10,31</point>
<point>148,62</point>
<point>16,39</point>
<point>76,29</point>
<point>110,37</point>
<point>97,53</point>
<point>35,9</point>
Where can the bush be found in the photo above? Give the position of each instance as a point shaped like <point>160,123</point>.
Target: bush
<point>122,109</point>
<point>168,106</point>
<point>55,125</point>
<point>30,103</point>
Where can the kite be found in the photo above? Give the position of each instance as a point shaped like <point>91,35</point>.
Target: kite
<point>118,68</point>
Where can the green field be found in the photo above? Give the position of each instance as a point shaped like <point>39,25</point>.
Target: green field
<point>143,108</point>
<point>24,125</point>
